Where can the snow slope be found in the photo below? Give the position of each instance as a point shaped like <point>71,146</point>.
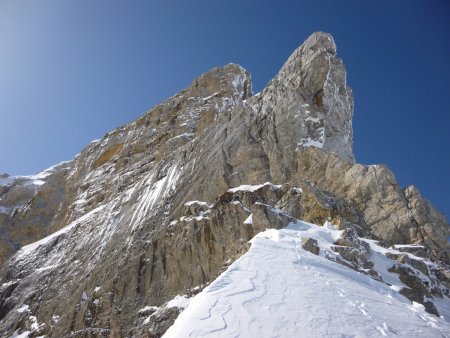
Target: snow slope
<point>277,289</point>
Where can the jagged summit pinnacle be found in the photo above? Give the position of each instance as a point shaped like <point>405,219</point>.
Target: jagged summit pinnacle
<point>320,40</point>
<point>315,104</point>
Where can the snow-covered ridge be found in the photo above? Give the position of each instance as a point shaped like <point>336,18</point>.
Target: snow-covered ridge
<point>36,179</point>
<point>279,289</point>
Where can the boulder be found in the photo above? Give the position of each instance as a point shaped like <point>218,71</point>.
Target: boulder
<point>310,244</point>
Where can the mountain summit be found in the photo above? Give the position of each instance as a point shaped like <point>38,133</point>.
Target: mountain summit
<point>147,217</point>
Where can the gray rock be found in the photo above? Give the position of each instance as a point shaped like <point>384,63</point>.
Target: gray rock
<point>353,255</point>
<point>267,217</point>
<point>310,244</point>
<point>162,320</point>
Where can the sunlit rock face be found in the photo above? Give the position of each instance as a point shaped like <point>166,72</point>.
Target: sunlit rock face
<point>149,211</point>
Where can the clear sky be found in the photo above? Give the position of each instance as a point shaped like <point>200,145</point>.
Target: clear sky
<point>70,71</point>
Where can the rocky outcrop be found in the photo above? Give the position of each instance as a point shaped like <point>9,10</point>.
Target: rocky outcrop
<point>310,244</point>
<point>163,204</point>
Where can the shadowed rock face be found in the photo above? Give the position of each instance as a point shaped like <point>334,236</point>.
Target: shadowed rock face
<point>146,212</point>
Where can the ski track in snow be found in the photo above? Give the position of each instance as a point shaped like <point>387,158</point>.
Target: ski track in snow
<point>279,290</point>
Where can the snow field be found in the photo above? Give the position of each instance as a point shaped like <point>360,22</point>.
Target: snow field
<point>277,289</point>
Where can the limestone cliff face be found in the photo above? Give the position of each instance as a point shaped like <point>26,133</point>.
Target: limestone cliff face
<point>149,211</point>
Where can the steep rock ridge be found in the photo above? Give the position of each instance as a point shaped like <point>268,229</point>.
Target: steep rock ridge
<point>29,207</point>
<point>119,197</point>
<point>122,157</point>
<point>388,212</point>
<point>149,214</point>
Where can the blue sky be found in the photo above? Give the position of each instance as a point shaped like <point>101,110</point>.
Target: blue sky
<point>70,71</point>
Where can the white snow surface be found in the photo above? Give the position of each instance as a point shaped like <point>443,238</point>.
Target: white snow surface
<point>179,301</point>
<point>148,308</point>
<point>249,219</point>
<point>200,203</point>
<point>23,308</point>
<point>252,188</point>
<point>25,334</point>
<point>277,289</point>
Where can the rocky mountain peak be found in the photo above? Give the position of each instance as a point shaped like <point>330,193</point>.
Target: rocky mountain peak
<point>160,206</point>
<point>314,104</point>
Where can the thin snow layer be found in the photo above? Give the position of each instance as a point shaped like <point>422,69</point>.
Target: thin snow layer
<point>279,290</point>
<point>27,249</point>
<point>4,210</point>
<point>23,308</point>
<point>249,219</point>
<point>314,142</point>
<point>153,194</point>
<point>179,301</point>
<point>200,203</point>
<point>7,181</point>
<point>25,334</point>
<point>36,179</point>
<point>252,188</point>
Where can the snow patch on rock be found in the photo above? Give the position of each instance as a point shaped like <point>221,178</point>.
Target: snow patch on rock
<point>252,188</point>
